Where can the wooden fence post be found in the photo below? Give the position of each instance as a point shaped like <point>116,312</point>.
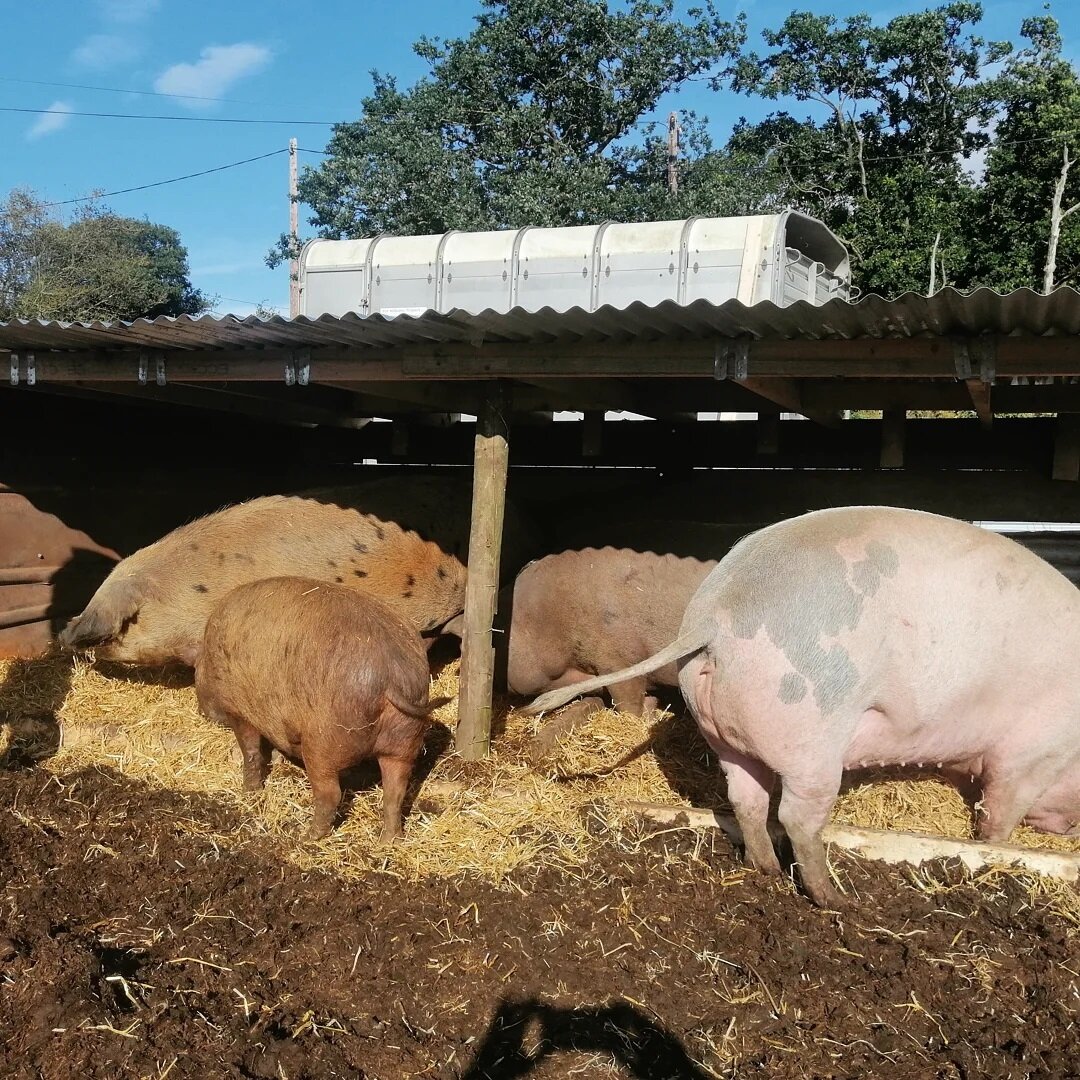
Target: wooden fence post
<point>1067,447</point>
<point>892,438</point>
<point>491,456</point>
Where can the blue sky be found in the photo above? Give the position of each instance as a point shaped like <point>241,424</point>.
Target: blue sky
<point>272,60</point>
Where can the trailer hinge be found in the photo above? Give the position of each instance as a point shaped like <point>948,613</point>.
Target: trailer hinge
<point>14,369</point>
<point>142,369</point>
<point>161,371</point>
<point>31,370</point>
<point>731,359</point>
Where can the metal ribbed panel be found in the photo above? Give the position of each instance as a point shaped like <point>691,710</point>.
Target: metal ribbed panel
<point>947,312</point>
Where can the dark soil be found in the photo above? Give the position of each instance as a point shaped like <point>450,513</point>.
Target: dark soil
<point>132,947</point>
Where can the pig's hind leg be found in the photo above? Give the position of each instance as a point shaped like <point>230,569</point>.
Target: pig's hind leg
<point>325,779</point>
<point>400,740</point>
<point>749,785</point>
<point>805,807</point>
<point>1011,787</point>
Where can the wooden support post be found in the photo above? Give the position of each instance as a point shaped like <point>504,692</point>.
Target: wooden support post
<point>892,438</point>
<point>1067,447</point>
<point>768,432</point>
<point>979,392</point>
<point>491,457</point>
<point>592,434</point>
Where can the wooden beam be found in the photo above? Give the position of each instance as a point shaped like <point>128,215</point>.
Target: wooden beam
<point>491,455</point>
<point>574,394</point>
<point>786,394</point>
<point>892,438</point>
<point>1067,447</point>
<point>979,392</point>
<point>905,358</point>
<point>246,400</point>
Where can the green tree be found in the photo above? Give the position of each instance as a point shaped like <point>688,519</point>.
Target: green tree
<point>531,119</point>
<point>1035,143</point>
<point>898,109</point>
<point>97,266</point>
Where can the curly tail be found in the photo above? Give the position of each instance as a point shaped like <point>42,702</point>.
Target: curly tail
<point>689,642</point>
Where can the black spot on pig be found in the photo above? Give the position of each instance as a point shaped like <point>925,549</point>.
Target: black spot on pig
<point>442,573</point>
<point>410,581</point>
<point>360,548</point>
<point>360,573</point>
<point>200,588</point>
<point>380,532</point>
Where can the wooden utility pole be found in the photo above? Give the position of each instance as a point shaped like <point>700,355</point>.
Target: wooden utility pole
<point>673,153</point>
<point>294,235</point>
<point>491,456</point>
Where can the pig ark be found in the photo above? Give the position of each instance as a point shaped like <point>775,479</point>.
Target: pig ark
<point>873,635</point>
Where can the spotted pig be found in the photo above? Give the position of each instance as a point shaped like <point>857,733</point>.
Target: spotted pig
<point>877,636</point>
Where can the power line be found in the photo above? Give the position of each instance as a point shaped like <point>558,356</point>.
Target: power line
<point>161,183</point>
<point>190,119</point>
<point>121,90</point>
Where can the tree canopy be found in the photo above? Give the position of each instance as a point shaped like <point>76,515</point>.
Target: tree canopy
<point>933,152</point>
<point>96,266</point>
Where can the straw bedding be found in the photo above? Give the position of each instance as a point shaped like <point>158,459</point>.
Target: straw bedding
<point>468,818</point>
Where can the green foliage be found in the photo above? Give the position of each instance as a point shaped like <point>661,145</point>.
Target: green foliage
<point>98,266</point>
<point>1041,117</point>
<point>899,107</point>
<point>529,120</point>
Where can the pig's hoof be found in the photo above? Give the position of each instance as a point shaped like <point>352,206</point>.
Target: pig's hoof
<point>316,832</point>
<point>829,899</point>
<point>254,783</point>
<point>388,836</point>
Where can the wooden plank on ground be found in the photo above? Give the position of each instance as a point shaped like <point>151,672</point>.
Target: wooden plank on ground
<point>885,844</point>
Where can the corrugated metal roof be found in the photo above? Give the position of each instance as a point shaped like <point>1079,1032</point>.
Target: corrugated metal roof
<point>948,312</point>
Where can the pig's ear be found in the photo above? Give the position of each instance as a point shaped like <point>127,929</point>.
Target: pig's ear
<point>115,604</point>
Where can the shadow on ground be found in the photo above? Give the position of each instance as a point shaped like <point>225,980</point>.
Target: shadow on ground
<point>620,1031</point>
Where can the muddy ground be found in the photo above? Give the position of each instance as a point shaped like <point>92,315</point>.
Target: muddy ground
<point>134,944</point>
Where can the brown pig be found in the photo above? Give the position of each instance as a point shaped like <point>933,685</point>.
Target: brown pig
<point>327,675</point>
<point>582,612</point>
<point>404,540</point>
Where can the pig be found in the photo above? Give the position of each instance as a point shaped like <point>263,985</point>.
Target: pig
<point>871,635</point>
<point>579,613</point>
<point>404,540</point>
<point>327,675</point>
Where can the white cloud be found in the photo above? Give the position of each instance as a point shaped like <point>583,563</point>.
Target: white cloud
<point>58,116</point>
<point>128,11</point>
<point>218,68</point>
<point>102,51</point>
